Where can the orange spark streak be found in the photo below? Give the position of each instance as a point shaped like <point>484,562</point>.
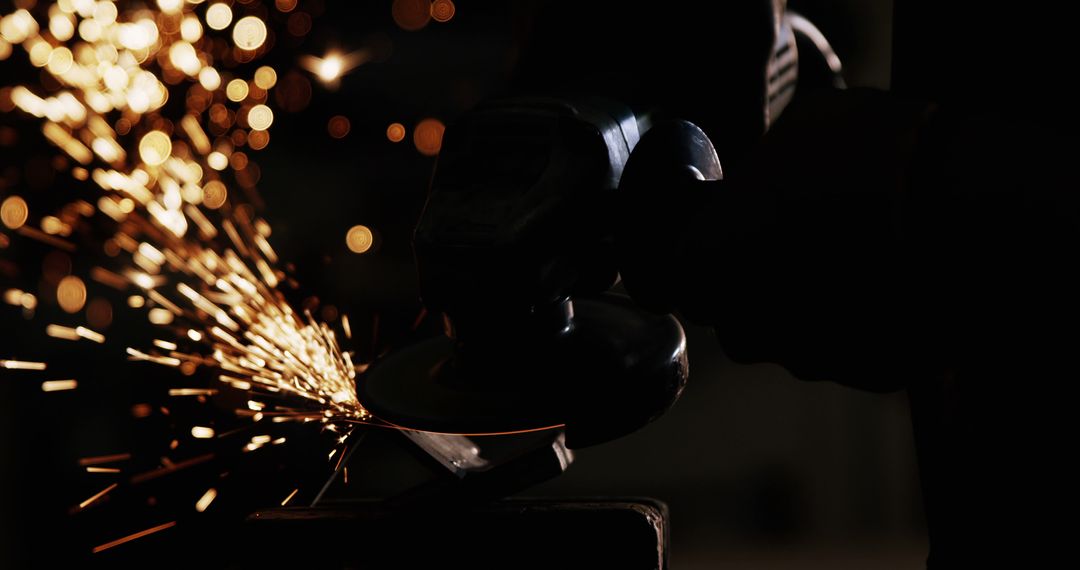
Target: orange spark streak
<point>132,537</point>
<point>97,460</point>
<point>97,496</point>
<point>148,475</point>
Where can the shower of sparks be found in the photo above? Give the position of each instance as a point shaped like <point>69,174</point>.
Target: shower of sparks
<point>195,256</point>
<point>184,247</point>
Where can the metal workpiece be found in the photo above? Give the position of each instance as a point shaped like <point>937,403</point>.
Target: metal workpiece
<point>627,533</point>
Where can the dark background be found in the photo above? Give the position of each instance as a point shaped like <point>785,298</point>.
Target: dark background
<point>760,470</point>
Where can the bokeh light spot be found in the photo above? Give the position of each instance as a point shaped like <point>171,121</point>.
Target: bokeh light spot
<point>214,194</point>
<point>71,294</point>
<point>218,16</point>
<point>428,136</point>
<point>249,33</point>
<point>265,77</point>
<point>13,212</point>
<point>411,15</point>
<point>359,239</point>
<point>260,117</point>
<point>339,126</point>
<point>395,132</point>
<point>99,313</point>
<point>443,10</point>
<point>258,140</point>
<point>236,90</point>
<point>155,148</point>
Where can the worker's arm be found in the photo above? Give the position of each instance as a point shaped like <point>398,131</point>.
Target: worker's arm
<point>869,240</point>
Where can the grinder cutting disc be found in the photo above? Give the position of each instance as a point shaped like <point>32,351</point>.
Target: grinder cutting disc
<point>614,369</point>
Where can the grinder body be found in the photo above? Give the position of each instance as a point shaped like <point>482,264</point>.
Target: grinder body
<point>514,248</point>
